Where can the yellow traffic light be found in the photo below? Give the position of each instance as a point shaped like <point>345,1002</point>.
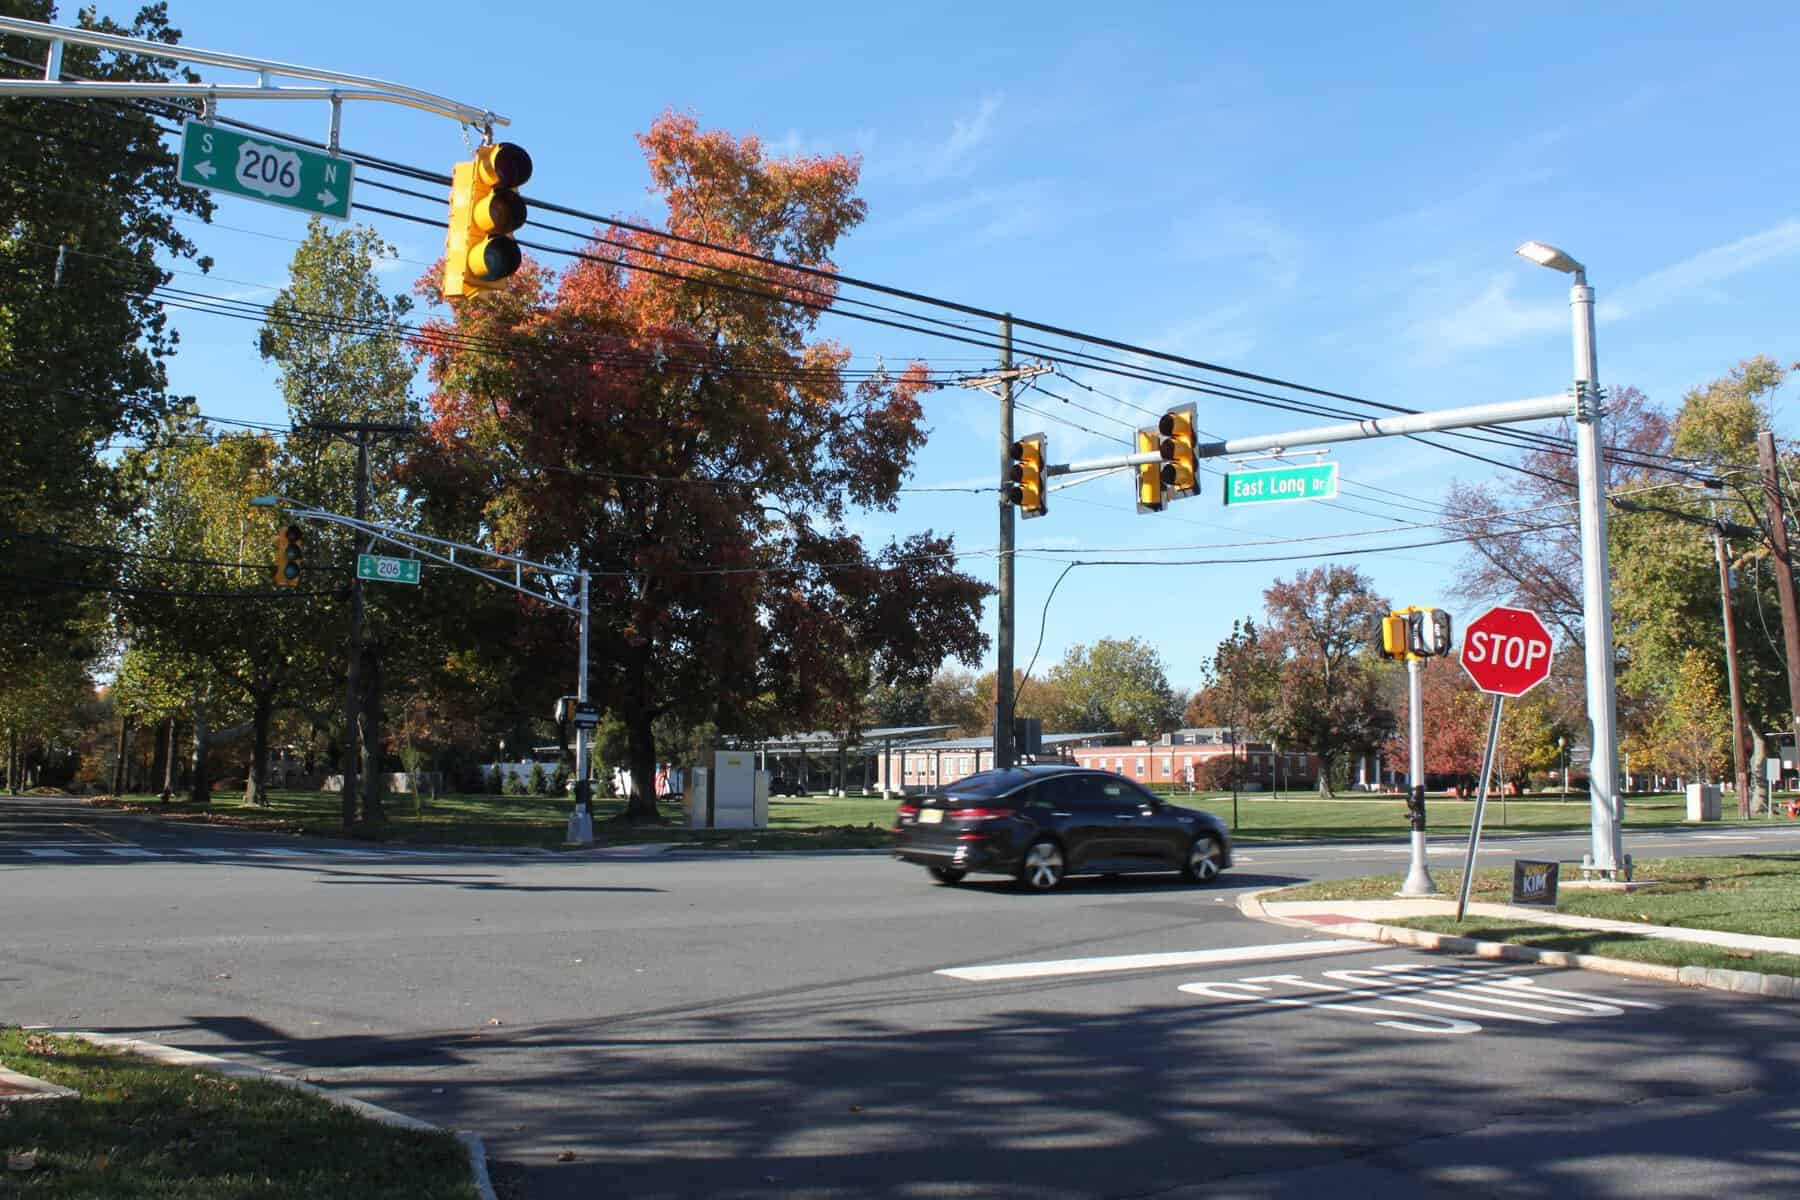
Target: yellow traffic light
<point>1181,463</point>
<point>1026,485</point>
<point>1149,475</point>
<point>485,209</point>
<point>290,557</point>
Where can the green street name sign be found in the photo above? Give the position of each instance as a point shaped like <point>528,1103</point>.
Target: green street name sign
<point>1276,484</point>
<point>259,168</point>
<point>387,570</point>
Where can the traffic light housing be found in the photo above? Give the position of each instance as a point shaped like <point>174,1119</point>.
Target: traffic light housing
<point>1428,632</point>
<point>290,557</point>
<point>1181,462</point>
<point>485,209</point>
<point>1025,482</point>
<point>1394,635</point>
<point>1149,475</point>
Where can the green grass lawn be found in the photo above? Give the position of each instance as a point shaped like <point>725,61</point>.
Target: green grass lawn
<point>795,822</point>
<point>143,1129</point>
<point>1756,893</point>
<point>854,821</point>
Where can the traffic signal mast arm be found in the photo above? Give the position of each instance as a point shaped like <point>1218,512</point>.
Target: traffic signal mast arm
<point>1507,412</point>
<point>421,545</point>
<point>360,87</point>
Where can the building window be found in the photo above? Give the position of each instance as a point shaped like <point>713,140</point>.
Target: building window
<point>1140,767</point>
<point>1168,767</point>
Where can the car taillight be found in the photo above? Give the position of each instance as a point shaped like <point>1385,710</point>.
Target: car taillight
<point>979,814</point>
<point>908,810</point>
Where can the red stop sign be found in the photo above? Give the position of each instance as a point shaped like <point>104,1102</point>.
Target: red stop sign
<point>1506,651</point>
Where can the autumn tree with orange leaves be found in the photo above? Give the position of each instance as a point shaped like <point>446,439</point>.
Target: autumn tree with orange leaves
<point>675,426</point>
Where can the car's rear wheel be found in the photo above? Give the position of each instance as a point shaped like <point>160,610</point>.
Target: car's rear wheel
<point>1043,867</point>
<point>949,875</point>
<point>1202,864</point>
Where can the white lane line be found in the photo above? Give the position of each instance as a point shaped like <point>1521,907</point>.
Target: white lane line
<point>281,853</point>
<point>130,852</point>
<point>51,853</point>
<point>1140,962</point>
<point>208,851</point>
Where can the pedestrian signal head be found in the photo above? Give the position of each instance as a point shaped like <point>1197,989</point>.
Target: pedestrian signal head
<point>1181,462</point>
<point>1025,481</point>
<point>1428,632</point>
<point>1149,475</point>
<point>290,559</point>
<point>485,210</point>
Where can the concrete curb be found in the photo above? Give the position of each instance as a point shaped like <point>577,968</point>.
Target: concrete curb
<point>1749,983</point>
<point>172,1056</point>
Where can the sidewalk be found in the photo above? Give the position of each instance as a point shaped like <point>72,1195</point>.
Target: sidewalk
<point>1335,912</point>
<point>1363,919</point>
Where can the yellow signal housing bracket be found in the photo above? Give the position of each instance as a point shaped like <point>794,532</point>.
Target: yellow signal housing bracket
<point>1149,475</point>
<point>1393,635</point>
<point>457,281</point>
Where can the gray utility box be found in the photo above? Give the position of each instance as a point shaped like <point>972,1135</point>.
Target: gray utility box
<point>1703,802</point>
<point>730,794</point>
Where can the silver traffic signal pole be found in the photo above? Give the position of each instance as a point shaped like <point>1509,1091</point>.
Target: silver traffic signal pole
<point>581,821</point>
<point>1003,644</point>
<point>1596,595</point>
<point>1418,877</point>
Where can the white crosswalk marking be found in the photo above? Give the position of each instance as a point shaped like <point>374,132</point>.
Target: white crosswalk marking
<point>1395,994</point>
<point>1143,962</point>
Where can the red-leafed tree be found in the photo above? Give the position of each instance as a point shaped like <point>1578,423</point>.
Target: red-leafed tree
<point>674,425</point>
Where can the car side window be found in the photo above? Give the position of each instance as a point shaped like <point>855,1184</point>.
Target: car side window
<point>1098,793</point>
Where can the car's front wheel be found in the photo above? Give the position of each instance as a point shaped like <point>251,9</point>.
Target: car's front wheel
<point>1203,857</point>
<point>1043,867</point>
<point>948,875</point>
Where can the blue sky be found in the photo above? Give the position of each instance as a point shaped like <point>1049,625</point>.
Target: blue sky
<point>1318,193</point>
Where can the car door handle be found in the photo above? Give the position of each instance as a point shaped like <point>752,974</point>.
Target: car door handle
<point>1124,817</point>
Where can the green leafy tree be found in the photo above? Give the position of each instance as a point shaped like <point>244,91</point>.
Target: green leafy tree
<point>1327,698</point>
<point>82,350</point>
<point>200,600</point>
<point>1240,680</point>
<point>1117,685</point>
<point>336,338</point>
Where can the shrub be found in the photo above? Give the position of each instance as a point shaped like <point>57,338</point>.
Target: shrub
<point>512,785</point>
<point>540,782</point>
<point>559,779</point>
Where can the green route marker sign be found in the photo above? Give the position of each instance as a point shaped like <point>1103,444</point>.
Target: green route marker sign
<point>382,569</point>
<point>260,168</point>
<point>1275,485</point>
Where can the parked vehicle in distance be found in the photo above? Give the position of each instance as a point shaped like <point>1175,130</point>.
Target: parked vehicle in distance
<point>785,787</point>
<point>1041,824</point>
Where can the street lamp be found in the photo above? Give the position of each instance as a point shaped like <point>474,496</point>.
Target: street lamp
<point>1562,758</point>
<point>1596,601</point>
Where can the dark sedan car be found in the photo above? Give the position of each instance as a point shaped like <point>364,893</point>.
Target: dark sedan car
<point>1040,824</point>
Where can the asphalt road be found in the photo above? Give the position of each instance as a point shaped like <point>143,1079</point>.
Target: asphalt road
<point>835,1026</point>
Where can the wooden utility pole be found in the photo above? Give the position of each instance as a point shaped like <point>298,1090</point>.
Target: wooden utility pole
<point>361,740</point>
<point>1739,774</point>
<point>1776,509</point>
<point>1003,644</point>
